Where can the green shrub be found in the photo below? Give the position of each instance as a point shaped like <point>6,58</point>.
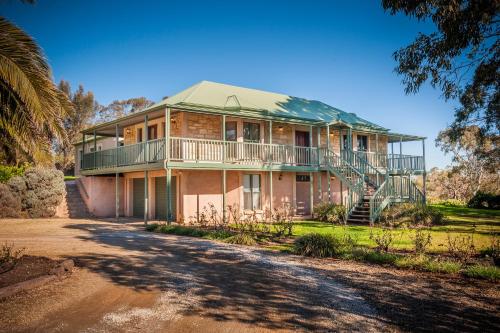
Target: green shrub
<point>9,203</point>
<point>41,190</point>
<point>411,261</point>
<point>7,172</point>
<point>421,240</point>
<point>441,266</point>
<point>491,273</point>
<point>461,248</point>
<point>9,255</point>
<point>282,219</point>
<point>383,238</point>
<point>219,235</point>
<point>412,214</point>
<point>152,227</point>
<point>321,246</point>
<point>241,239</point>
<point>380,258</point>
<point>329,212</point>
<point>484,200</point>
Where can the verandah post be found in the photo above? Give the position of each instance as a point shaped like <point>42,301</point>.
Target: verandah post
<point>424,175</point>
<point>95,149</point>
<point>401,164</point>
<point>328,171</point>
<point>320,174</point>
<point>146,197</point>
<point>82,164</point>
<point>311,182</point>
<point>167,158</point>
<point>270,166</point>
<point>117,176</point>
<point>223,166</point>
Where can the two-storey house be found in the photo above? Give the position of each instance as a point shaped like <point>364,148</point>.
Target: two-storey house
<point>225,145</point>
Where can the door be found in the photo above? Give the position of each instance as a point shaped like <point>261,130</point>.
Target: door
<point>303,195</point>
<point>161,198</point>
<point>138,197</point>
<point>302,154</point>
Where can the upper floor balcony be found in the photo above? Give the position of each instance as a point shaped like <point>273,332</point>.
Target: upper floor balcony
<point>206,153</point>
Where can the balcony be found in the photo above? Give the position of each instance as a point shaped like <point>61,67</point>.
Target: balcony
<point>192,152</point>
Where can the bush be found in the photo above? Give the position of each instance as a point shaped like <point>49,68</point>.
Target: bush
<point>11,204</point>
<point>448,202</point>
<point>384,239</point>
<point>461,248</point>
<point>241,239</point>
<point>484,200</point>
<point>321,246</point>
<point>9,255</point>
<point>7,172</point>
<point>282,222</point>
<point>412,214</point>
<point>329,212</point>
<point>41,190</point>
<point>491,273</point>
<point>421,240</point>
<point>441,266</point>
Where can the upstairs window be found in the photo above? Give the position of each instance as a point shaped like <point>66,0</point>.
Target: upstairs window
<point>231,131</point>
<point>345,144</point>
<point>251,132</point>
<point>251,192</point>
<point>139,135</point>
<point>362,143</point>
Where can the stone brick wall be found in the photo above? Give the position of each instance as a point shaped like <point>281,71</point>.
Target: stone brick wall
<point>201,126</point>
<point>283,134</point>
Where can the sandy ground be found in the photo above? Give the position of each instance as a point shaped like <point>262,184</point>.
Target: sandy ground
<point>130,280</point>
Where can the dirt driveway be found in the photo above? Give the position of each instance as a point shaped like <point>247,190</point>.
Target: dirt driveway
<point>129,280</point>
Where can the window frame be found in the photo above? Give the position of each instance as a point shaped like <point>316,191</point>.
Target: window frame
<point>252,191</point>
<point>365,137</point>
<point>257,126</point>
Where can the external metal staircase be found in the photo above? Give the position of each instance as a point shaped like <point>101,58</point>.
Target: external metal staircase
<point>370,189</point>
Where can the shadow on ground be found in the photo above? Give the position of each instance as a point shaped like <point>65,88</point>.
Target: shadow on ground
<point>256,287</point>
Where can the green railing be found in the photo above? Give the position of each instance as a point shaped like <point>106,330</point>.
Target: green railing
<point>394,189</point>
<point>348,175</point>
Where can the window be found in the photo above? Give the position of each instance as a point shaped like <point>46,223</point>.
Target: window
<point>231,131</point>
<point>152,132</point>
<point>251,192</point>
<point>139,135</point>
<point>251,132</point>
<point>302,178</point>
<point>362,143</point>
<point>345,145</point>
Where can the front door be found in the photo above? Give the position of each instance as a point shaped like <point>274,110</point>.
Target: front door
<point>138,197</point>
<point>302,155</point>
<point>161,198</point>
<point>303,194</point>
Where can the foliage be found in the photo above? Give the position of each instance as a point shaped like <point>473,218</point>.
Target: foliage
<point>7,172</point>
<point>384,238</point>
<point>493,250</point>
<point>484,200</point>
<point>491,273</point>
<point>41,190</point>
<point>461,57</point>
<point>241,239</point>
<point>413,214</point>
<point>461,248</point>
<point>120,108</point>
<point>330,212</point>
<point>9,255</point>
<point>31,106</point>
<point>321,246</point>
<point>11,204</point>
<point>282,220</point>
<point>85,107</point>
<point>421,240</point>
<point>474,168</point>
<point>447,202</point>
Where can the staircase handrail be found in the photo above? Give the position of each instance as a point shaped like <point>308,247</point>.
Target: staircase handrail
<point>363,166</point>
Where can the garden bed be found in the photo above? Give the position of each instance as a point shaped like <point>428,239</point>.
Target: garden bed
<point>26,268</point>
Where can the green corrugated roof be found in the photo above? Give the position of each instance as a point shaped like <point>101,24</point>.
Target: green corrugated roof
<point>227,97</point>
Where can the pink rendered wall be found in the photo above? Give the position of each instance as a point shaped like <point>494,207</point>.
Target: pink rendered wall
<point>98,194</point>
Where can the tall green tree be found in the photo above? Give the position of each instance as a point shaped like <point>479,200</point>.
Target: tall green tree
<point>85,108</point>
<point>120,108</point>
<point>461,58</point>
<point>31,106</point>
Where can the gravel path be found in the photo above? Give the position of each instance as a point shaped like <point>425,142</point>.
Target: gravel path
<point>128,280</point>
<point>135,281</point>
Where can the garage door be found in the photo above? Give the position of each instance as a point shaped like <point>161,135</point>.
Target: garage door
<point>138,197</point>
<point>161,198</point>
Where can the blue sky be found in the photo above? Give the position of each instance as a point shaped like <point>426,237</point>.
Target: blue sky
<point>333,51</point>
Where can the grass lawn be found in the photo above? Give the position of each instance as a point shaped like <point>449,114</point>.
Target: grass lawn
<point>66,178</point>
<point>459,221</point>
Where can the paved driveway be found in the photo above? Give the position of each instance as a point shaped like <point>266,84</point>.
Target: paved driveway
<point>129,280</point>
